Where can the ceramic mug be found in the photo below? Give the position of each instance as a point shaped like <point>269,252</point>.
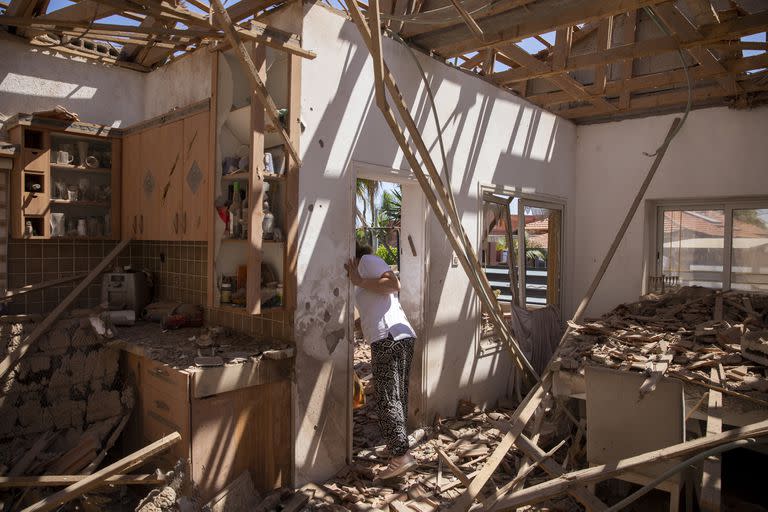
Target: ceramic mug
<point>64,157</point>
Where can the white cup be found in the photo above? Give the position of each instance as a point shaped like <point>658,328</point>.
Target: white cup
<point>64,157</point>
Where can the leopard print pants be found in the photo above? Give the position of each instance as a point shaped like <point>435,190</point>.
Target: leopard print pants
<point>391,361</point>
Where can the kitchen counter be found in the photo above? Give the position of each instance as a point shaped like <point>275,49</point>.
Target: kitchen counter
<point>246,360</point>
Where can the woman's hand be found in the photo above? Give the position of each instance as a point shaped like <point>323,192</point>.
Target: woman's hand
<point>352,272</point>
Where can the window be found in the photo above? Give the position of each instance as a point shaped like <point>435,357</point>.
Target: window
<point>504,217</point>
<point>717,245</point>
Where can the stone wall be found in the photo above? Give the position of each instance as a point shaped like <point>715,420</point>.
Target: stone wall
<point>67,383</point>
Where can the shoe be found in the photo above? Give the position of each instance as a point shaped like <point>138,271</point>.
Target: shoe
<point>398,466</point>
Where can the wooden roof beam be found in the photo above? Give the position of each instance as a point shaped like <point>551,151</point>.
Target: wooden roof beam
<point>471,23</point>
<point>562,79</point>
<point>687,32</point>
<point>703,12</point>
<point>659,80</point>
<point>515,25</point>
<point>677,97</point>
<point>629,31</point>
<point>604,35</point>
<point>709,34</point>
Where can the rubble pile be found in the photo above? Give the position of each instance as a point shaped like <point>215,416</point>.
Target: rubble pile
<point>467,440</point>
<point>689,332</point>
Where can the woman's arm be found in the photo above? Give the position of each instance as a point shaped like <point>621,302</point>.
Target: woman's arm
<point>385,284</point>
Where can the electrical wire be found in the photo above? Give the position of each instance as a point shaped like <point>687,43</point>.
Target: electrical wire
<point>426,18</point>
<point>650,12</point>
<point>433,107</point>
<point>677,468</point>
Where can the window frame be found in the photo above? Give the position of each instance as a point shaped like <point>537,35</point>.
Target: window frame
<point>655,212</point>
<point>493,344</point>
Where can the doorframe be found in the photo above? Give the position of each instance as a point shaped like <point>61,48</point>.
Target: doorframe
<point>360,169</point>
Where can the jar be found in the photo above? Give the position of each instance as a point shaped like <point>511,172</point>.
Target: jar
<point>226,293</point>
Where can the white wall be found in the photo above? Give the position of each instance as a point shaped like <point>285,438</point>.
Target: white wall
<point>34,79</point>
<point>491,137</point>
<point>718,153</point>
<point>180,83</point>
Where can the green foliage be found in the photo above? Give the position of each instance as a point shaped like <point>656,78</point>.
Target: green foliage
<point>390,256</point>
<point>391,202</point>
<point>749,216</point>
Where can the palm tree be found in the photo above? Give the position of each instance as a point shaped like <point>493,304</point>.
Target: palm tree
<point>391,202</point>
<point>366,191</point>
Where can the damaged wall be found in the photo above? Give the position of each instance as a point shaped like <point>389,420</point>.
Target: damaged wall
<point>67,383</point>
<point>610,165</point>
<point>492,137</point>
<point>35,79</point>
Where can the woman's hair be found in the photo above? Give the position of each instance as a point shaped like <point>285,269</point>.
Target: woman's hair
<point>361,249</point>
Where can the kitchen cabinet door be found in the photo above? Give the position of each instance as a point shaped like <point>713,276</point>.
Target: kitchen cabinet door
<point>161,160</point>
<point>195,178</point>
<point>131,185</point>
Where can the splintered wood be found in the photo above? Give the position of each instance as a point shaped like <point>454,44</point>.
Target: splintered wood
<point>450,453</point>
<point>683,335</point>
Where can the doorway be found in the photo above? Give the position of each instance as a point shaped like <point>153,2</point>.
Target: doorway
<point>389,215</point>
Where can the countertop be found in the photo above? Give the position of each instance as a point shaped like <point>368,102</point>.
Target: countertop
<point>247,361</point>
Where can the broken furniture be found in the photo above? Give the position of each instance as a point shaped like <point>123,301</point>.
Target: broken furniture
<point>621,424</point>
<point>65,182</point>
<point>231,418</point>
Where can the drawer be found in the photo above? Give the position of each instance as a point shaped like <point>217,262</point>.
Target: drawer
<point>164,414</point>
<point>35,203</point>
<point>36,159</point>
<point>165,379</point>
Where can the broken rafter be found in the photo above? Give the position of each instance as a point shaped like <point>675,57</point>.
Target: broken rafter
<point>534,398</point>
<point>545,490</point>
<point>628,37</point>
<point>90,482</point>
<point>232,35</point>
<point>471,23</point>
<point>727,30</point>
<point>604,35</point>
<point>444,209</point>
<point>8,482</point>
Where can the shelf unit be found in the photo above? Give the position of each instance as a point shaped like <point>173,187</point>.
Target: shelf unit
<point>67,175</point>
<point>243,135</point>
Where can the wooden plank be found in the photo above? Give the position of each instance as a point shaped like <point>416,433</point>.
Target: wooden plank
<point>545,490</point>
<point>12,358</point>
<point>536,18</point>
<point>9,482</point>
<point>562,79</point>
<point>563,42</point>
<point>732,29</point>
<point>251,72</point>
<point>629,31</point>
<point>711,480</point>
<point>657,80</point>
<point>541,458</point>
<point>434,11</point>
<point>471,23</point>
<point>449,221</point>
<point>96,480</point>
<point>11,294</point>
<point>686,32</point>
<point>292,183</point>
<point>458,473</point>
<point>256,185</point>
<point>703,12</point>
<point>604,35</point>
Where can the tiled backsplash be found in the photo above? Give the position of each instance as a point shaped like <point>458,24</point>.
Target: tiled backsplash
<point>179,271</point>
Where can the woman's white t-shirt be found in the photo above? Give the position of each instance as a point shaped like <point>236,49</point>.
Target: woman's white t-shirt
<point>380,314</point>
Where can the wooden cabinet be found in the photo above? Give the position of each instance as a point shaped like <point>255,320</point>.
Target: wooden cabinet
<point>131,210</point>
<point>195,177</point>
<point>169,172</point>
<point>221,435</point>
<point>66,181</point>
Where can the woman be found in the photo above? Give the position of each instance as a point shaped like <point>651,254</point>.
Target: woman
<point>392,339</point>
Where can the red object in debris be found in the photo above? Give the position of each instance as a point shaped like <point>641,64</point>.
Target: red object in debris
<point>179,321</point>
